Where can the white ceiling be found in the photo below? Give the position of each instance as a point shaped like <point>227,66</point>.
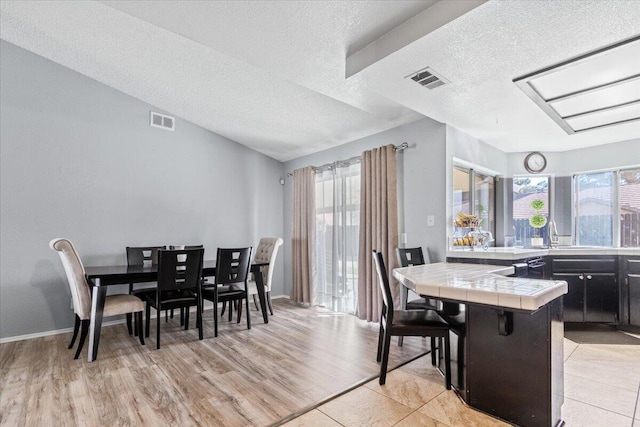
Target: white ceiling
<point>271,74</point>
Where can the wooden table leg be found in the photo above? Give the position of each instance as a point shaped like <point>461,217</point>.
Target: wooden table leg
<point>99,294</point>
<point>257,274</point>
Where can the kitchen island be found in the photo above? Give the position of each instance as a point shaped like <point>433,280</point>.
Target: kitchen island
<point>507,339</point>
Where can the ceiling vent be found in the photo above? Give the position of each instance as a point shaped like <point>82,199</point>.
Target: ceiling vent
<point>158,120</point>
<point>428,78</point>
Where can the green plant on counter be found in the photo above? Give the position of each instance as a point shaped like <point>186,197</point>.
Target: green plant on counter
<point>537,221</point>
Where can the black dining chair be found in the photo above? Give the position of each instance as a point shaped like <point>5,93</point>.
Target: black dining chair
<point>420,323</point>
<point>141,256</point>
<point>408,257</point>
<point>230,284</point>
<point>179,281</point>
<point>170,312</point>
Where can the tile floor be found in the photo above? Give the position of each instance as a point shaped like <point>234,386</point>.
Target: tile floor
<point>602,385</point>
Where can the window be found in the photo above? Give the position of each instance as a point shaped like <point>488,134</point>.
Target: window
<point>480,201</point>
<point>337,236</point>
<point>461,193</point>
<point>484,201</point>
<point>594,195</point>
<point>629,208</point>
<point>599,198</point>
<point>526,190</point>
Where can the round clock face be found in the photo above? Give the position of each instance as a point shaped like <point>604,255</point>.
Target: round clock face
<point>535,162</point>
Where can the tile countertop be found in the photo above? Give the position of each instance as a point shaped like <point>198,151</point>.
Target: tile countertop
<point>479,283</point>
<point>513,253</point>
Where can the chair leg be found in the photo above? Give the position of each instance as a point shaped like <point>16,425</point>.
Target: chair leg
<point>139,327</point>
<point>83,336</point>
<point>129,328</point>
<point>269,302</point>
<point>400,341</point>
<point>215,316</point>
<point>231,305</point>
<point>447,362</point>
<point>224,306</point>
<point>385,357</point>
<point>148,320</point>
<point>76,328</point>
<point>185,310</point>
<point>380,341</point>
<point>433,351</point>
<point>246,301</point>
<point>199,321</point>
<point>239,315</point>
<point>158,330</point>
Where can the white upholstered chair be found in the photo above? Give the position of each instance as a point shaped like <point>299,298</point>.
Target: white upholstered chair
<point>266,252</point>
<point>114,304</point>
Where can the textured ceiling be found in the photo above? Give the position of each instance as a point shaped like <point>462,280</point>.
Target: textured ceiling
<point>271,74</point>
<point>484,50</point>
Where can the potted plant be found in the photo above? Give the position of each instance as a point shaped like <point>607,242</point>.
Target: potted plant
<point>537,221</point>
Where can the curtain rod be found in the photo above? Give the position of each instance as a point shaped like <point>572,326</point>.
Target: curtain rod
<point>400,147</point>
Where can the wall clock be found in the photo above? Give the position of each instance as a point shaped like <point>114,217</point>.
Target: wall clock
<point>535,162</point>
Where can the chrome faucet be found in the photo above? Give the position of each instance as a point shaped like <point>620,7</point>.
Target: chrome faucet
<point>554,240</point>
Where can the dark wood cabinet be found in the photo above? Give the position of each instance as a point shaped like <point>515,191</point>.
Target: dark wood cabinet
<point>574,299</point>
<point>630,275</point>
<point>601,301</point>
<point>593,288</point>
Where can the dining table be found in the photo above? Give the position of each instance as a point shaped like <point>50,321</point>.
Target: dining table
<point>101,277</point>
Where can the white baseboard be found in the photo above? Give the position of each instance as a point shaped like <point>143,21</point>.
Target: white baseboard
<point>67,330</point>
<point>207,305</point>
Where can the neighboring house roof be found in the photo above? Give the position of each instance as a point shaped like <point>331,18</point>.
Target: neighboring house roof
<point>595,201</point>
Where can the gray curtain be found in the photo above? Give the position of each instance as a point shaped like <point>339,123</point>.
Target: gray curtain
<point>303,236</point>
<point>378,228</point>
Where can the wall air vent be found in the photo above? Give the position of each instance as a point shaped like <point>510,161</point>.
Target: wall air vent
<point>158,120</point>
<point>428,78</point>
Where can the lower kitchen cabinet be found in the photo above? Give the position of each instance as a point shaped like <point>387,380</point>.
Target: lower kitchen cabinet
<point>630,274</point>
<point>593,288</point>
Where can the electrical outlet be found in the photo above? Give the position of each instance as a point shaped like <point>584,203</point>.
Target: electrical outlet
<point>71,303</point>
<point>403,238</point>
<point>431,220</point>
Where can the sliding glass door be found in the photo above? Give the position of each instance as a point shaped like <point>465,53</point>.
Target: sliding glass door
<point>337,236</point>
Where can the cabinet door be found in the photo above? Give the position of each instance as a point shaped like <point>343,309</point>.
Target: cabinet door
<point>574,299</point>
<point>634,298</point>
<point>601,297</point>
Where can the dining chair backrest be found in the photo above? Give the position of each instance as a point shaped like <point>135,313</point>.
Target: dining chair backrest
<point>74,270</point>
<point>186,246</point>
<point>143,255</point>
<point>232,265</point>
<point>179,269</point>
<point>408,257</point>
<point>383,281</point>
<point>266,252</point>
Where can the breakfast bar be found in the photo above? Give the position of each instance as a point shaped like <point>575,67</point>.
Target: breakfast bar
<point>507,338</point>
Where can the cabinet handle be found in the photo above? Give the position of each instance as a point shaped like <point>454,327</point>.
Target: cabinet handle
<point>581,277</point>
<point>589,277</point>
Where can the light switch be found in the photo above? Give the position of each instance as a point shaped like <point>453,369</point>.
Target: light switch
<point>431,220</point>
<point>403,238</point>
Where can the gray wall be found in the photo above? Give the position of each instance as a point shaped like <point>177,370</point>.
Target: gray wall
<point>79,160</point>
<point>567,163</point>
<point>562,165</point>
<point>486,158</point>
<point>421,170</point>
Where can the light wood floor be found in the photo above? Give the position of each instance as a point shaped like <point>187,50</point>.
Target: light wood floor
<point>244,377</point>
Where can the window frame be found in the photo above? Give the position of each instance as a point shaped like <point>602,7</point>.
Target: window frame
<point>616,201</point>
<point>472,170</point>
<point>551,194</point>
